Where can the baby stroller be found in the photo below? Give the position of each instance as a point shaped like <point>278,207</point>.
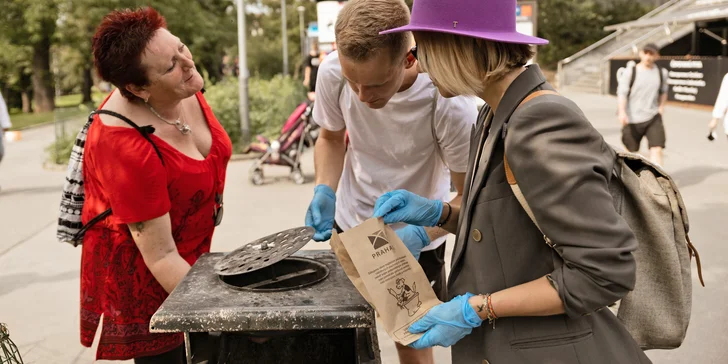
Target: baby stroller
<point>298,132</point>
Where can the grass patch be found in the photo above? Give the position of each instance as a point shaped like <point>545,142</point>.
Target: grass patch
<point>68,107</point>
<point>21,121</point>
<point>59,152</point>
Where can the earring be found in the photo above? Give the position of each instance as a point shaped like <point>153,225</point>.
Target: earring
<point>146,100</point>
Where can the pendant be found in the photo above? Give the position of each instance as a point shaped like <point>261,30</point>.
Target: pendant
<point>185,129</point>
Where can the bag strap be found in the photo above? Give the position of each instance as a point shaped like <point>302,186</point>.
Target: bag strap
<point>631,81</point>
<point>512,179</point>
<point>143,130</point>
<point>434,129</point>
<point>634,76</point>
<point>662,81</point>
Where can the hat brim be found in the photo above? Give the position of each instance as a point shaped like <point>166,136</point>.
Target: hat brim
<point>505,37</point>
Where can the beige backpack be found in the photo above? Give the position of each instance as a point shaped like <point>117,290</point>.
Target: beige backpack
<point>657,311</point>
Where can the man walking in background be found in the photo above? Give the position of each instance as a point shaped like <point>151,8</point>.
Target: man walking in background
<point>402,135</point>
<point>642,94</point>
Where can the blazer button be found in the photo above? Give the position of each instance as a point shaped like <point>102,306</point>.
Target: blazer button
<point>477,236</point>
<point>485,361</point>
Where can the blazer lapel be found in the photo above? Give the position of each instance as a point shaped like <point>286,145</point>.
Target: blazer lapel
<point>521,87</point>
<point>496,127</point>
<point>474,140</point>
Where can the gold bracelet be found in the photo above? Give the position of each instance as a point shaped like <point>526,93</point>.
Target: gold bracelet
<point>490,314</point>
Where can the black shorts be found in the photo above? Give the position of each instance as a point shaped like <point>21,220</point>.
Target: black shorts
<point>433,263</point>
<point>654,130</point>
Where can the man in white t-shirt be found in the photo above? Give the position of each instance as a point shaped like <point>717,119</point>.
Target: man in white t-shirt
<point>401,134</point>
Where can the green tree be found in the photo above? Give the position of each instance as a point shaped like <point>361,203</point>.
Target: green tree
<point>78,22</point>
<point>206,26</point>
<point>620,11</point>
<point>265,46</point>
<point>29,26</point>
<point>15,73</point>
<point>572,25</point>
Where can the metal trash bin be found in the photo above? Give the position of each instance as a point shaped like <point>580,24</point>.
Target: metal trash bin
<point>288,309</point>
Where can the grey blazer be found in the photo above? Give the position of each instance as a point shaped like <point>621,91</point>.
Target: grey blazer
<point>563,166</point>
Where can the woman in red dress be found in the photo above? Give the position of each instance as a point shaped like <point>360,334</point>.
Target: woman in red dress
<point>165,191</point>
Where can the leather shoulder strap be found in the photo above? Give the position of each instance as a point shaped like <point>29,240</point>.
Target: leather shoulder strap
<point>434,128</point>
<point>509,173</point>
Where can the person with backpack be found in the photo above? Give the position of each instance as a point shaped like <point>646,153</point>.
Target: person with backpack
<point>519,292</point>
<point>642,94</point>
<point>149,171</point>
<point>401,132</point>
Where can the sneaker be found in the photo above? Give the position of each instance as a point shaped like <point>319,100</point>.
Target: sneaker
<point>711,136</point>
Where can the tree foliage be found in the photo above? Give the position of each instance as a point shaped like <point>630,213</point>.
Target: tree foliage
<point>265,45</point>
<point>572,25</point>
<point>28,28</point>
<point>208,27</point>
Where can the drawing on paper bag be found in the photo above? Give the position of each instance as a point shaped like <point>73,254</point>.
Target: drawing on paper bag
<point>407,297</point>
<point>382,269</point>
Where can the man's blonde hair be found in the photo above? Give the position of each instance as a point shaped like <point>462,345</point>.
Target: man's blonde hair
<point>358,26</point>
<point>463,65</point>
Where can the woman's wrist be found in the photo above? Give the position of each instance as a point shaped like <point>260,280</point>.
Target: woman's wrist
<point>482,304</point>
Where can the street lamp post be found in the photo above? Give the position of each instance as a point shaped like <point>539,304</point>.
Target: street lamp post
<point>284,31</point>
<point>301,9</point>
<point>243,74</point>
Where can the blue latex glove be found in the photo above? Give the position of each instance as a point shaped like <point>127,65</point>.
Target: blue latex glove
<point>446,323</point>
<point>321,212</point>
<point>415,238</point>
<point>404,206</point>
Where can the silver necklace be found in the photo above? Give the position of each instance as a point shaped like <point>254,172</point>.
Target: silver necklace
<point>183,128</point>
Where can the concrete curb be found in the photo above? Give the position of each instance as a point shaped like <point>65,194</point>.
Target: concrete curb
<point>245,157</point>
<point>50,166</point>
<point>34,126</point>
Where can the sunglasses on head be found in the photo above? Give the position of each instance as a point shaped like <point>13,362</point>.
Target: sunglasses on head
<point>413,51</point>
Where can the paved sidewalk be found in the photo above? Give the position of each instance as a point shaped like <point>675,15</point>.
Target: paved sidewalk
<point>39,284</point>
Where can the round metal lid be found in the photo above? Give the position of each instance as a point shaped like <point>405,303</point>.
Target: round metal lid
<point>264,251</point>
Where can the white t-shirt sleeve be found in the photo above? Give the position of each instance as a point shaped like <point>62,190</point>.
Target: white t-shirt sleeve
<point>721,102</point>
<point>624,81</point>
<point>4,116</point>
<point>453,124</point>
<point>327,110</point>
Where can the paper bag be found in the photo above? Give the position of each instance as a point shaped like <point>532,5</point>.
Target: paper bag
<point>387,276</point>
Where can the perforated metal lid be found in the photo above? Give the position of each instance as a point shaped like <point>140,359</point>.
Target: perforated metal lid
<point>264,251</point>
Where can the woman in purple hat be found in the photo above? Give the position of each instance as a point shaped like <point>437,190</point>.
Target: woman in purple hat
<point>543,303</point>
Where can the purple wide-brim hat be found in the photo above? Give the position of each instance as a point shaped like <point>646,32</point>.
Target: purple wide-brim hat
<point>493,20</point>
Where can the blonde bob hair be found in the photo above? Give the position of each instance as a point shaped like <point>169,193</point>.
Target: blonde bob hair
<point>462,65</point>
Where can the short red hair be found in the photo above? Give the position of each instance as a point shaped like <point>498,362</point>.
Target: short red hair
<point>119,43</point>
